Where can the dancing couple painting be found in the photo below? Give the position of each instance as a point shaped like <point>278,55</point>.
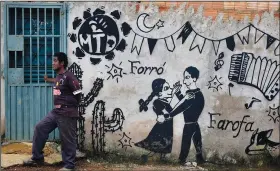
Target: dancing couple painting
<point>190,104</point>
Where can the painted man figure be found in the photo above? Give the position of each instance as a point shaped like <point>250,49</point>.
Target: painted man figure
<point>66,91</point>
<point>191,109</point>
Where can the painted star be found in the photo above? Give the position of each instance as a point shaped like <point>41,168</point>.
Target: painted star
<point>274,113</point>
<point>115,72</point>
<point>125,141</point>
<point>159,24</point>
<point>214,83</point>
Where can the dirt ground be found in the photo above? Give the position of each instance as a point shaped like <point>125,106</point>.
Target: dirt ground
<point>88,165</point>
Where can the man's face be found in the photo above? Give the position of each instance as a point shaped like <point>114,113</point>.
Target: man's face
<point>56,64</point>
<point>188,80</point>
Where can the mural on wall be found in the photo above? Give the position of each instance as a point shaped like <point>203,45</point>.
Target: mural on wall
<point>274,113</point>
<point>219,62</point>
<point>117,72</point>
<point>125,141</point>
<point>230,85</point>
<point>198,41</point>
<point>214,83</point>
<point>141,24</point>
<point>190,104</point>
<point>101,124</point>
<point>260,73</point>
<point>260,143</point>
<point>85,101</point>
<point>97,34</point>
<point>231,125</point>
<point>249,105</point>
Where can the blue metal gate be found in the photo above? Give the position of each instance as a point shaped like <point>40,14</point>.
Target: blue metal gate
<point>34,31</point>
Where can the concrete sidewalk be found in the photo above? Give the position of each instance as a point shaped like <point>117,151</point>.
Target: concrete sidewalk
<point>16,153</point>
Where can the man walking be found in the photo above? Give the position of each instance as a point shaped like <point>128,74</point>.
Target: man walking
<point>191,105</point>
<point>66,91</point>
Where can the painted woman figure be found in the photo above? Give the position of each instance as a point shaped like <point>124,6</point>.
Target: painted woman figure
<point>160,138</point>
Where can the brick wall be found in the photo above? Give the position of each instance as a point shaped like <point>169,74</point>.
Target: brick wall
<point>237,10</point>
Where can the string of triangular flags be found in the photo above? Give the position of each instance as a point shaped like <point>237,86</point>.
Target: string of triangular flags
<point>199,40</point>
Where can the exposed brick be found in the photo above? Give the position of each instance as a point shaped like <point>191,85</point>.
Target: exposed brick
<point>207,5</point>
<point>168,4</point>
<point>262,5</point>
<point>195,5</point>
<point>274,5</point>
<point>218,5</point>
<point>228,5</point>
<point>252,5</point>
<point>159,3</point>
<point>240,5</point>
<point>212,13</point>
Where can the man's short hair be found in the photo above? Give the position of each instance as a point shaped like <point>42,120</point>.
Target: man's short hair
<point>62,57</point>
<point>193,71</point>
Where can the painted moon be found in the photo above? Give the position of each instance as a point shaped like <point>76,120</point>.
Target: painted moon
<point>141,23</point>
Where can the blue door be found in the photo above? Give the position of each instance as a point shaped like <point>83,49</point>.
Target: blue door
<point>34,31</point>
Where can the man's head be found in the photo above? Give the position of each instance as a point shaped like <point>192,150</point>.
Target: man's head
<point>59,61</point>
<point>191,75</point>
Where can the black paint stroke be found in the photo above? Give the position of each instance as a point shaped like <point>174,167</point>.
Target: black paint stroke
<point>98,11</point>
<point>259,142</point>
<point>125,141</point>
<point>270,41</point>
<point>79,53</point>
<point>169,49</point>
<point>277,48</point>
<point>95,61</point>
<point>186,31</point>
<point>274,113</point>
<point>248,106</point>
<point>216,49</point>
<point>144,24</point>
<point>268,81</point>
<point>152,44</point>
<point>115,72</point>
<point>97,86</point>
<point>244,39</point>
<point>159,24</point>
<point>76,23</point>
<point>197,45</point>
<point>116,14</point>
<point>219,62</point>
<point>110,56</point>
<point>121,46</point>
<point>125,29</point>
<point>134,47</point>
<point>102,124</point>
<point>214,83</point>
<point>87,14</point>
<point>256,33</point>
<point>230,43</point>
<point>230,85</point>
<point>73,37</point>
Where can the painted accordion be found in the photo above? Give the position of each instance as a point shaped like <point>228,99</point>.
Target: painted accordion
<point>260,73</point>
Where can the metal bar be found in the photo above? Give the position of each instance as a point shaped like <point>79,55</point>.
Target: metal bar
<point>23,38</point>
<point>30,41</point>
<point>52,38</point>
<point>42,35</point>
<point>38,42</point>
<point>46,91</point>
<point>15,21</point>
<point>34,5</point>
<point>15,59</point>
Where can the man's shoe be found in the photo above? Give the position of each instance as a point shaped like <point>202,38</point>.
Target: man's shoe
<point>65,169</point>
<point>200,159</point>
<point>31,162</point>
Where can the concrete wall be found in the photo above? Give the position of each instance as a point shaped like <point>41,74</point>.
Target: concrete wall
<point>117,76</point>
<point>125,81</point>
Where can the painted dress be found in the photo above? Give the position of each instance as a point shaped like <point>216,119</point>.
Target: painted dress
<point>160,138</point>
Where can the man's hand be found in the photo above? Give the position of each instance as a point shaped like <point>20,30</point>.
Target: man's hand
<point>45,77</point>
<point>176,87</point>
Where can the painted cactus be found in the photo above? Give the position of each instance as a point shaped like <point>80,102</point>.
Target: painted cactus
<point>101,124</point>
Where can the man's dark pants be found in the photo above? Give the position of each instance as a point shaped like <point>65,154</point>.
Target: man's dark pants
<point>191,131</point>
<point>67,132</point>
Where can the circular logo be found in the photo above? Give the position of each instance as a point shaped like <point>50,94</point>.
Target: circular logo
<point>98,35</point>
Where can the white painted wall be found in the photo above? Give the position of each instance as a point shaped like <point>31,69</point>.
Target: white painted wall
<point>131,87</point>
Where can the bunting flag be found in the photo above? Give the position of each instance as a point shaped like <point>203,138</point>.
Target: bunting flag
<point>198,41</point>
<point>244,34</point>
<point>170,44</point>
